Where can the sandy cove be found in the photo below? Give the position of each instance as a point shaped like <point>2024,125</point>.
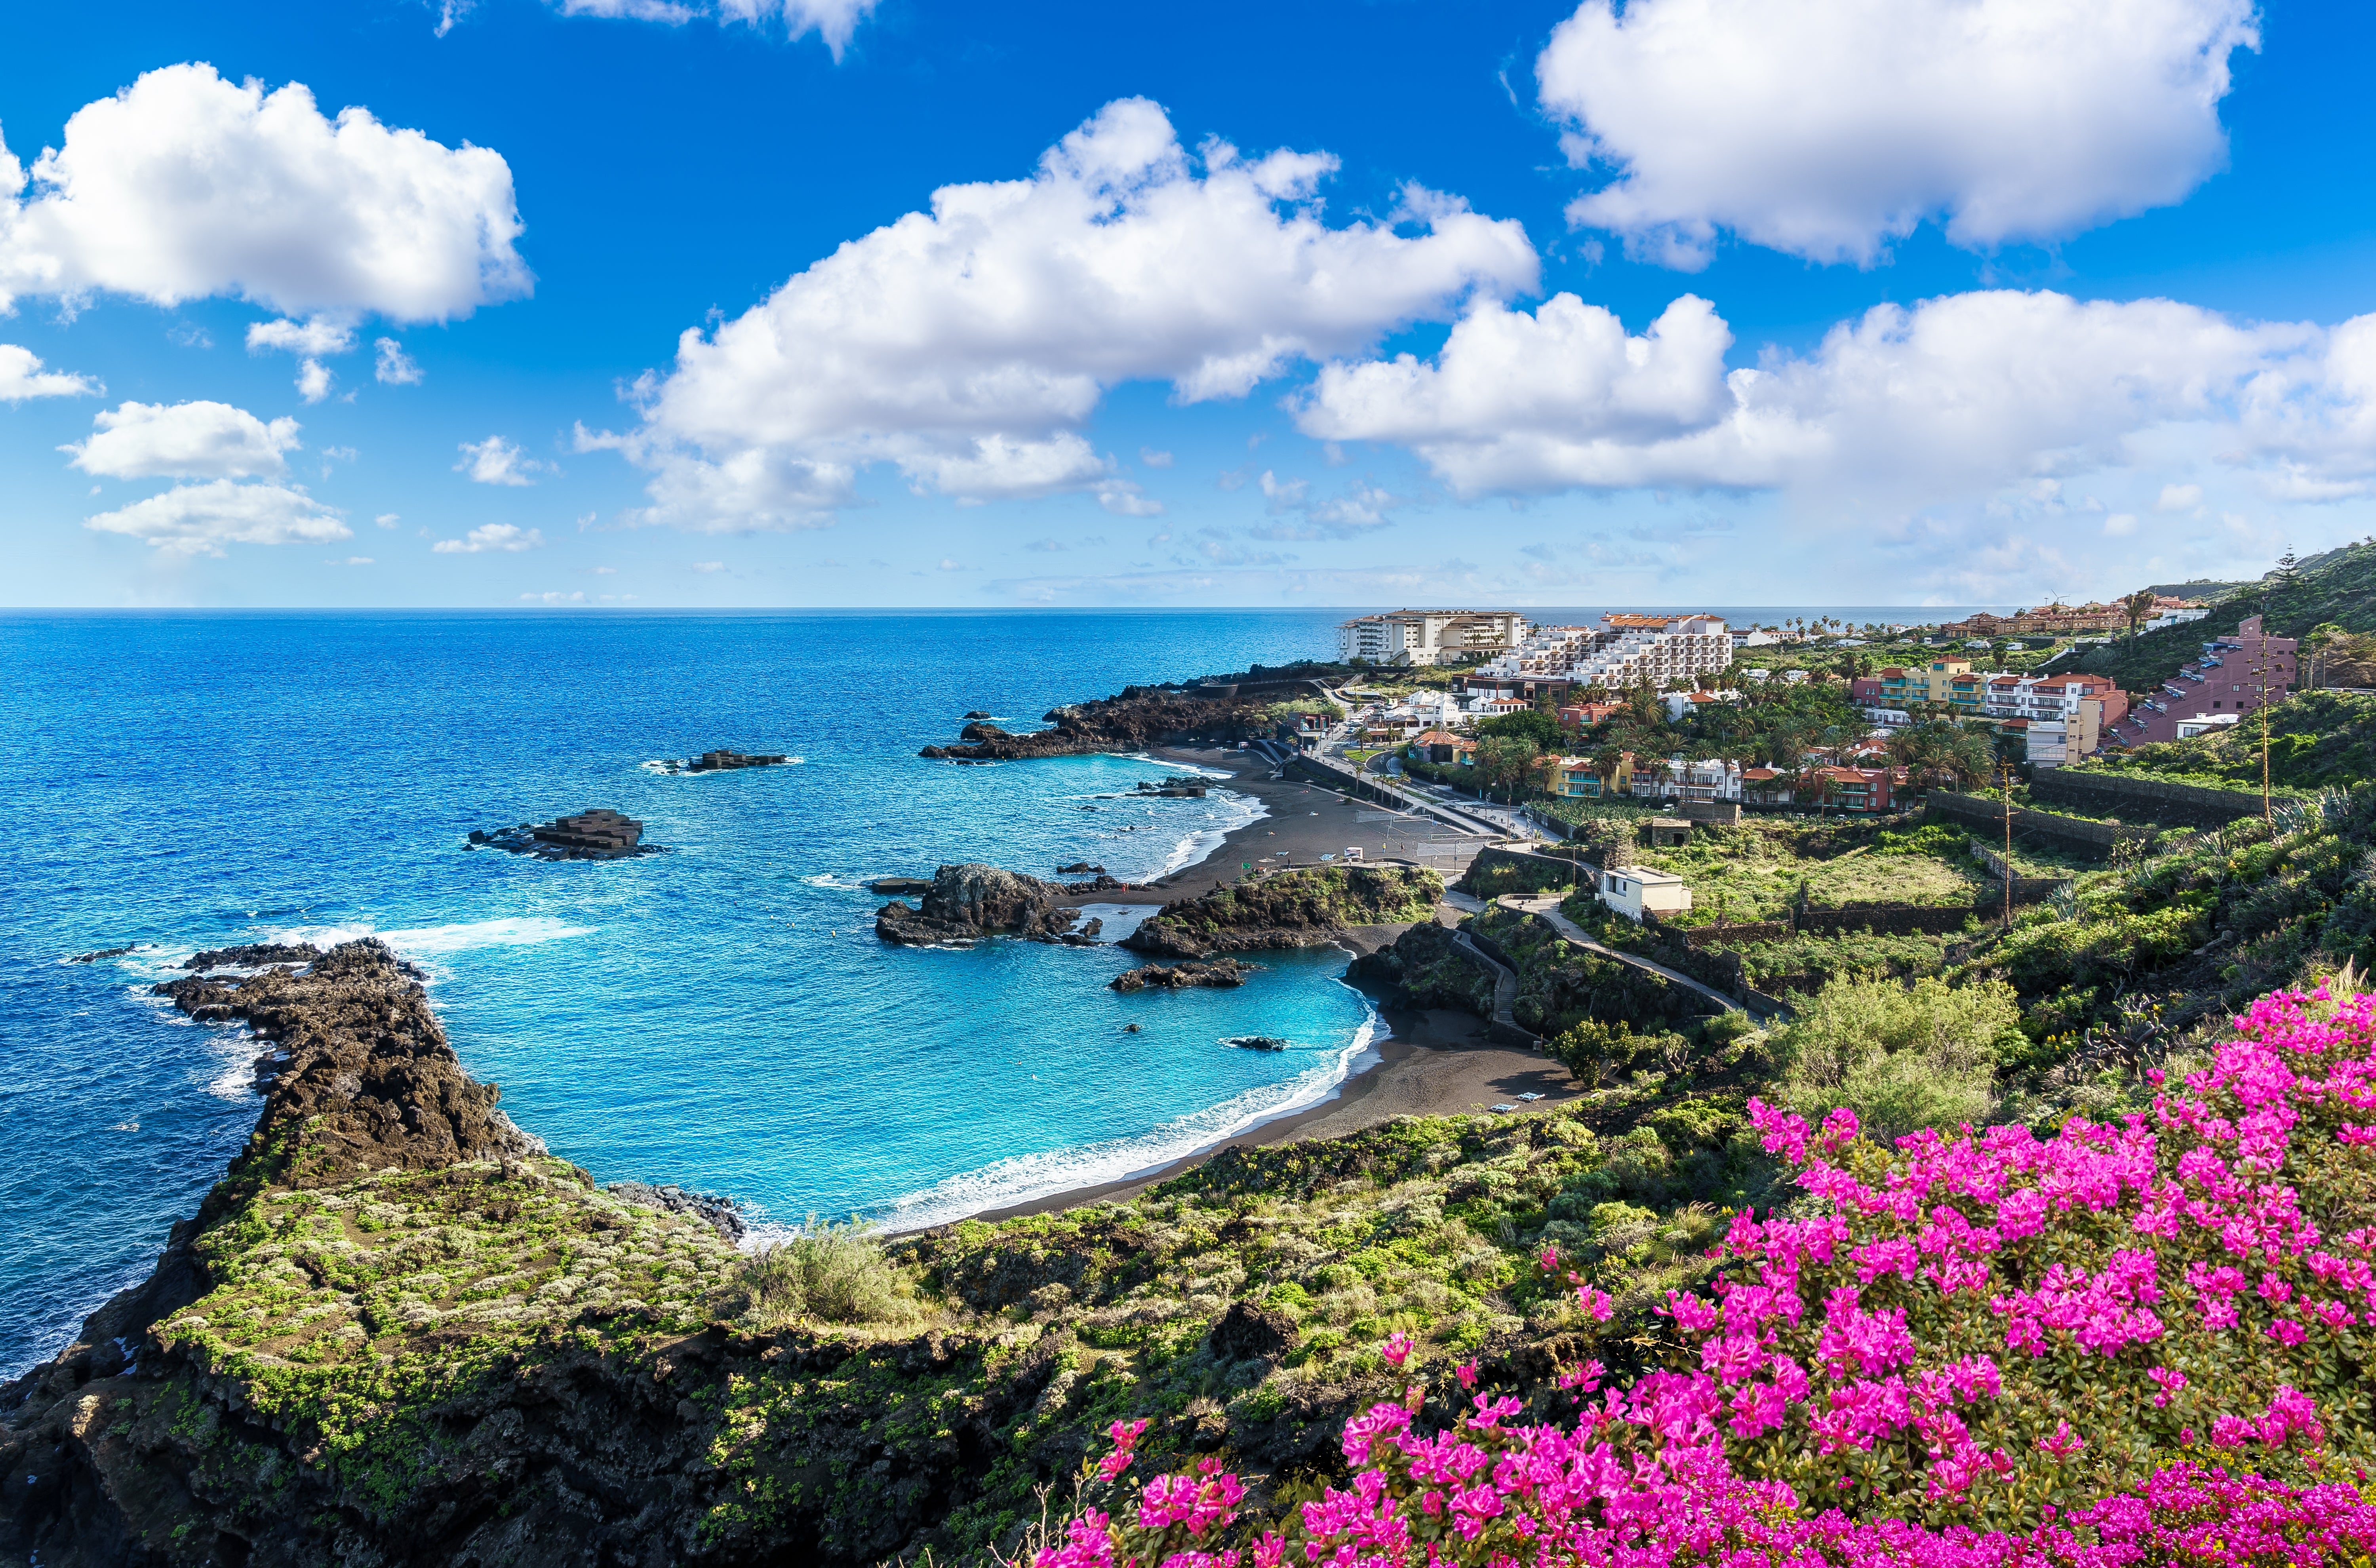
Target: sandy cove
<point>1432,1063</point>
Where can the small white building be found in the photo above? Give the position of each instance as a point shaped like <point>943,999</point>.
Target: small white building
<point>1634,890</point>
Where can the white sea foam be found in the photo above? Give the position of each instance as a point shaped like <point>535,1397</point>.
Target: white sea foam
<point>834,880</point>
<point>437,941</point>
<point>1025,1178</point>
<point>1244,811</point>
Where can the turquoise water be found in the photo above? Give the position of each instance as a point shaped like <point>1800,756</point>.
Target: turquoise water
<point>720,1016</point>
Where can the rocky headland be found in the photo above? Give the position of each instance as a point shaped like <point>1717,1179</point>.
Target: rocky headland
<point>1221,974</point>
<point>1309,907</point>
<point>597,835</point>
<point>1141,717</point>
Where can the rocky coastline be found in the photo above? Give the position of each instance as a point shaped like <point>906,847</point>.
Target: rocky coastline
<point>1141,717</point>
<point>398,1331</point>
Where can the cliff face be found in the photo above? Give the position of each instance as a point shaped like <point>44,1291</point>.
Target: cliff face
<point>1114,724</point>
<point>1295,909</point>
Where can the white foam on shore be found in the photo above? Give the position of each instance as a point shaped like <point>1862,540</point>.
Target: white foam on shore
<point>1200,845</point>
<point>1028,1178</point>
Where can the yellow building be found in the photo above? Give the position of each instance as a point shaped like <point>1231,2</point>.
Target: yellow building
<point>1948,681</point>
<point>1575,778</point>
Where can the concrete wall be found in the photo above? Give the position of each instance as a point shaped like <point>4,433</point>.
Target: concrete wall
<point>2128,796</point>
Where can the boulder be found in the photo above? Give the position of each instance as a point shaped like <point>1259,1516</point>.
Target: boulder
<point>966,903</point>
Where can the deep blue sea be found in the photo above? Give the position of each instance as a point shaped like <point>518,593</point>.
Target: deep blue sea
<point>722,1017</point>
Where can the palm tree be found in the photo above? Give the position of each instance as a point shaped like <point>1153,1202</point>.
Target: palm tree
<point>2138,606</point>
<point>1607,762</point>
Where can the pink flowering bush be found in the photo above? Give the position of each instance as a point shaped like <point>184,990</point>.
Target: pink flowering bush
<point>2122,1344</point>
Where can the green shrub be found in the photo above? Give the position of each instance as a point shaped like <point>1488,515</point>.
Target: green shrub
<point>1900,1057</point>
<point>832,1273</point>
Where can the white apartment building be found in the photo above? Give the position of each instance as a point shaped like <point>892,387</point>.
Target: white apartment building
<point>1679,781</point>
<point>1429,636</point>
<point>1621,650</point>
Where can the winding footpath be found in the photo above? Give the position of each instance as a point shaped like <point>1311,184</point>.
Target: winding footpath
<point>1549,908</point>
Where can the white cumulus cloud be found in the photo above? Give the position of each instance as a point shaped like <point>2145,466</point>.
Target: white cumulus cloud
<point>1828,127</point>
<point>185,186</point>
<point>1900,409</point>
<point>497,461</point>
<point>393,367</point>
<point>489,536</point>
<point>196,440</point>
<point>199,520</point>
<point>968,344</point>
<point>21,376</point>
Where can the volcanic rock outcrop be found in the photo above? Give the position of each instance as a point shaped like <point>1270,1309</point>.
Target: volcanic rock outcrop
<point>1222,974</point>
<point>1296,909</point>
<point>966,903</point>
<point>597,835</point>
<point>724,761</point>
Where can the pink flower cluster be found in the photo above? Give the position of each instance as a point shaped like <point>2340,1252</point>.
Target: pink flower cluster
<point>1841,1347</point>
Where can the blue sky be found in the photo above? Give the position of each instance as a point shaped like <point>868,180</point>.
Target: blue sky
<point>1724,301</point>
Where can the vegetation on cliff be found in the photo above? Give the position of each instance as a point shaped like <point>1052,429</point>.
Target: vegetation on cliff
<point>1304,907</point>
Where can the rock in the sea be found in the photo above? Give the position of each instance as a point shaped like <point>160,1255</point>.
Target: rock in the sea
<point>1080,868</point>
<point>1255,1043</point>
<point>1101,883</point>
<point>976,713</point>
<point>597,835</point>
<point>720,761</point>
<point>717,1212</point>
<point>1221,974</point>
<point>966,903</point>
<point>897,887</point>
<point>254,955</point>
<point>1188,786</point>
<point>103,953</point>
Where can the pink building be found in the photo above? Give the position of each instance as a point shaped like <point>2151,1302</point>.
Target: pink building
<point>2228,680</point>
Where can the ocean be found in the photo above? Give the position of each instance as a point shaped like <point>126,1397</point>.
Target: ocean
<point>720,1016</point>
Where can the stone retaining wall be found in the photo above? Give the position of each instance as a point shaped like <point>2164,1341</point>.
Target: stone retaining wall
<point>1983,815</point>
<point>2125,795</point>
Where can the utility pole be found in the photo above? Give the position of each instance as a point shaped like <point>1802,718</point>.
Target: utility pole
<point>2261,694</point>
<point>2004,778</point>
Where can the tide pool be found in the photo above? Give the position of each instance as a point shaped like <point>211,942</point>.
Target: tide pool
<point>721,1015</point>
